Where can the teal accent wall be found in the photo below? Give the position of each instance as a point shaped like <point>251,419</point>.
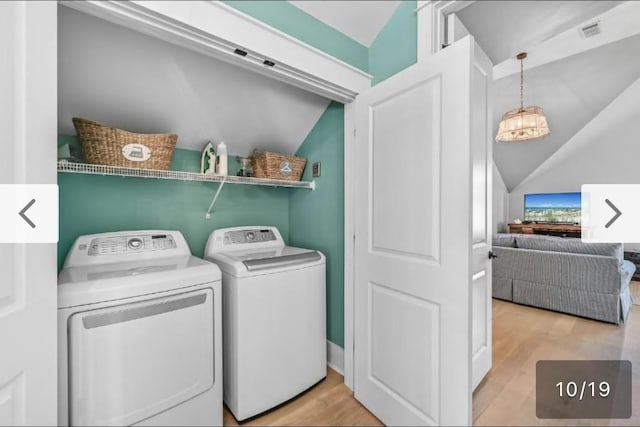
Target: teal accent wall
<point>289,19</point>
<point>316,218</point>
<point>395,48</point>
<point>96,204</point>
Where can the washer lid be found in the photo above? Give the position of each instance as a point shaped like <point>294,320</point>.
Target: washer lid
<point>260,261</point>
<point>281,261</point>
<point>108,282</point>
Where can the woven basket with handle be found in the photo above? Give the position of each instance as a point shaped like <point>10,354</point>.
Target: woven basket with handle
<point>270,165</point>
<point>106,145</point>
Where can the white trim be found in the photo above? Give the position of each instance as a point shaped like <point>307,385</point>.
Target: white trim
<point>431,17</point>
<point>349,242</point>
<point>335,357</point>
<point>215,29</point>
<point>422,4</point>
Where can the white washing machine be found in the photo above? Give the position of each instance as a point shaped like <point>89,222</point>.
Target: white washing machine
<point>274,317</point>
<point>139,332</point>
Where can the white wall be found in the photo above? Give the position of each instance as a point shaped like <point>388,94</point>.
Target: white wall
<point>605,151</point>
<point>126,79</point>
<point>500,202</point>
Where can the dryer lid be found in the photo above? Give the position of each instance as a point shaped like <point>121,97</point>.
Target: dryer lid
<point>108,282</point>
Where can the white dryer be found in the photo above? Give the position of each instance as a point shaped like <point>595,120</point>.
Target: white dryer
<point>274,317</point>
<point>139,332</point>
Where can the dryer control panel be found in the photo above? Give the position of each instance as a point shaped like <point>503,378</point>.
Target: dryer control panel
<point>126,246</point>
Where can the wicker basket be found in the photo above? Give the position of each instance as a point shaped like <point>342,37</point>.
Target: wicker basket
<point>105,145</point>
<point>266,164</point>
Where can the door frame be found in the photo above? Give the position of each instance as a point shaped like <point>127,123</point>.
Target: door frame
<point>28,308</point>
<point>431,33</point>
<point>304,66</point>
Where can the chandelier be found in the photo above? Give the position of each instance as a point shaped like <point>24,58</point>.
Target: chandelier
<point>524,123</point>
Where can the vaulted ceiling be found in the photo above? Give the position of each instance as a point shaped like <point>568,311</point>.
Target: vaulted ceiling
<point>361,20</point>
<point>505,28</point>
<point>128,80</point>
<point>571,77</point>
<point>572,92</point>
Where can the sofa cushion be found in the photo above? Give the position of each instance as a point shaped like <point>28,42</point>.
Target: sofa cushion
<point>570,245</point>
<point>505,240</point>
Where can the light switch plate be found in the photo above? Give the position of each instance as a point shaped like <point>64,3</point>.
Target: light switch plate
<point>316,169</point>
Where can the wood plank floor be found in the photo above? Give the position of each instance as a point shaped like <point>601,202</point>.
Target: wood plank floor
<point>329,403</point>
<point>521,336</point>
<point>635,292</point>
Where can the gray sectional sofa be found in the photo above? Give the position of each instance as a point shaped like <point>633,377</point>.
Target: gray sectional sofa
<point>563,274</point>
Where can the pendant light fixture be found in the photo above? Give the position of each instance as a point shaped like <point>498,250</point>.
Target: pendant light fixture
<point>522,124</point>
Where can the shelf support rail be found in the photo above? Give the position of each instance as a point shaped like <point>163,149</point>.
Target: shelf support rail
<point>215,197</point>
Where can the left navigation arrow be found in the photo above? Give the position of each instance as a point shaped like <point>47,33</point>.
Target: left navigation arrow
<point>28,214</point>
<point>24,216</point>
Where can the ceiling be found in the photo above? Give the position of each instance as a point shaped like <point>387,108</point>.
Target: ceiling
<point>572,91</point>
<point>131,81</point>
<point>505,28</point>
<point>572,88</point>
<point>360,20</point>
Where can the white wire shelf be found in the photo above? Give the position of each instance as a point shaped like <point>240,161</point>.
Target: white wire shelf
<point>83,168</point>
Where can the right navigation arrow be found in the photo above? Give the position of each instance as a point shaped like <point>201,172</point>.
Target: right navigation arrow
<point>616,216</point>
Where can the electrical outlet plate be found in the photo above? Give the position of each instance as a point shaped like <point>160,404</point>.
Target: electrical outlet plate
<point>316,169</point>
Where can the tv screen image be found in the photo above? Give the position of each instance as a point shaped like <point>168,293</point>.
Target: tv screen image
<point>553,207</point>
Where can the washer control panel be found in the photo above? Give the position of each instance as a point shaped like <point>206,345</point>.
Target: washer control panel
<point>243,238</point>
<point>128,244</point>
<point>248,236</point>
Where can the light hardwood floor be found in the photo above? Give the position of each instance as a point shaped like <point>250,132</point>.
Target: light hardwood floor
<point>521,336</point>
<point>635,292</point>
<point>329,403</point>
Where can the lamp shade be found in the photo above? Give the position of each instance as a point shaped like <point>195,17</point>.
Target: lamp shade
<point>523,124</point>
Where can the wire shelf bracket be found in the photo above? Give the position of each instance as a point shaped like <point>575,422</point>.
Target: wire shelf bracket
<point>215,197</point>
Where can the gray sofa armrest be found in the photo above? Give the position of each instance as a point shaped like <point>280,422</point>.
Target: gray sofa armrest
<point>627,270</point>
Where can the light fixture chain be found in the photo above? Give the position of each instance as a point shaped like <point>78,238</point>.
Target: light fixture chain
<point>522,84</point>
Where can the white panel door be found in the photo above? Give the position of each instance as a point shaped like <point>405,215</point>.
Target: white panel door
<point>28,123</point>
<point>414,234</point>
<point>482,223</point>
<point>482,176</point>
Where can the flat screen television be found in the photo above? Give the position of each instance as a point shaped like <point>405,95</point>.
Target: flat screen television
<point>561,208</point>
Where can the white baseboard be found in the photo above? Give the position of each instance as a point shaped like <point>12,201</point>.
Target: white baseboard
<point>335,357</point>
